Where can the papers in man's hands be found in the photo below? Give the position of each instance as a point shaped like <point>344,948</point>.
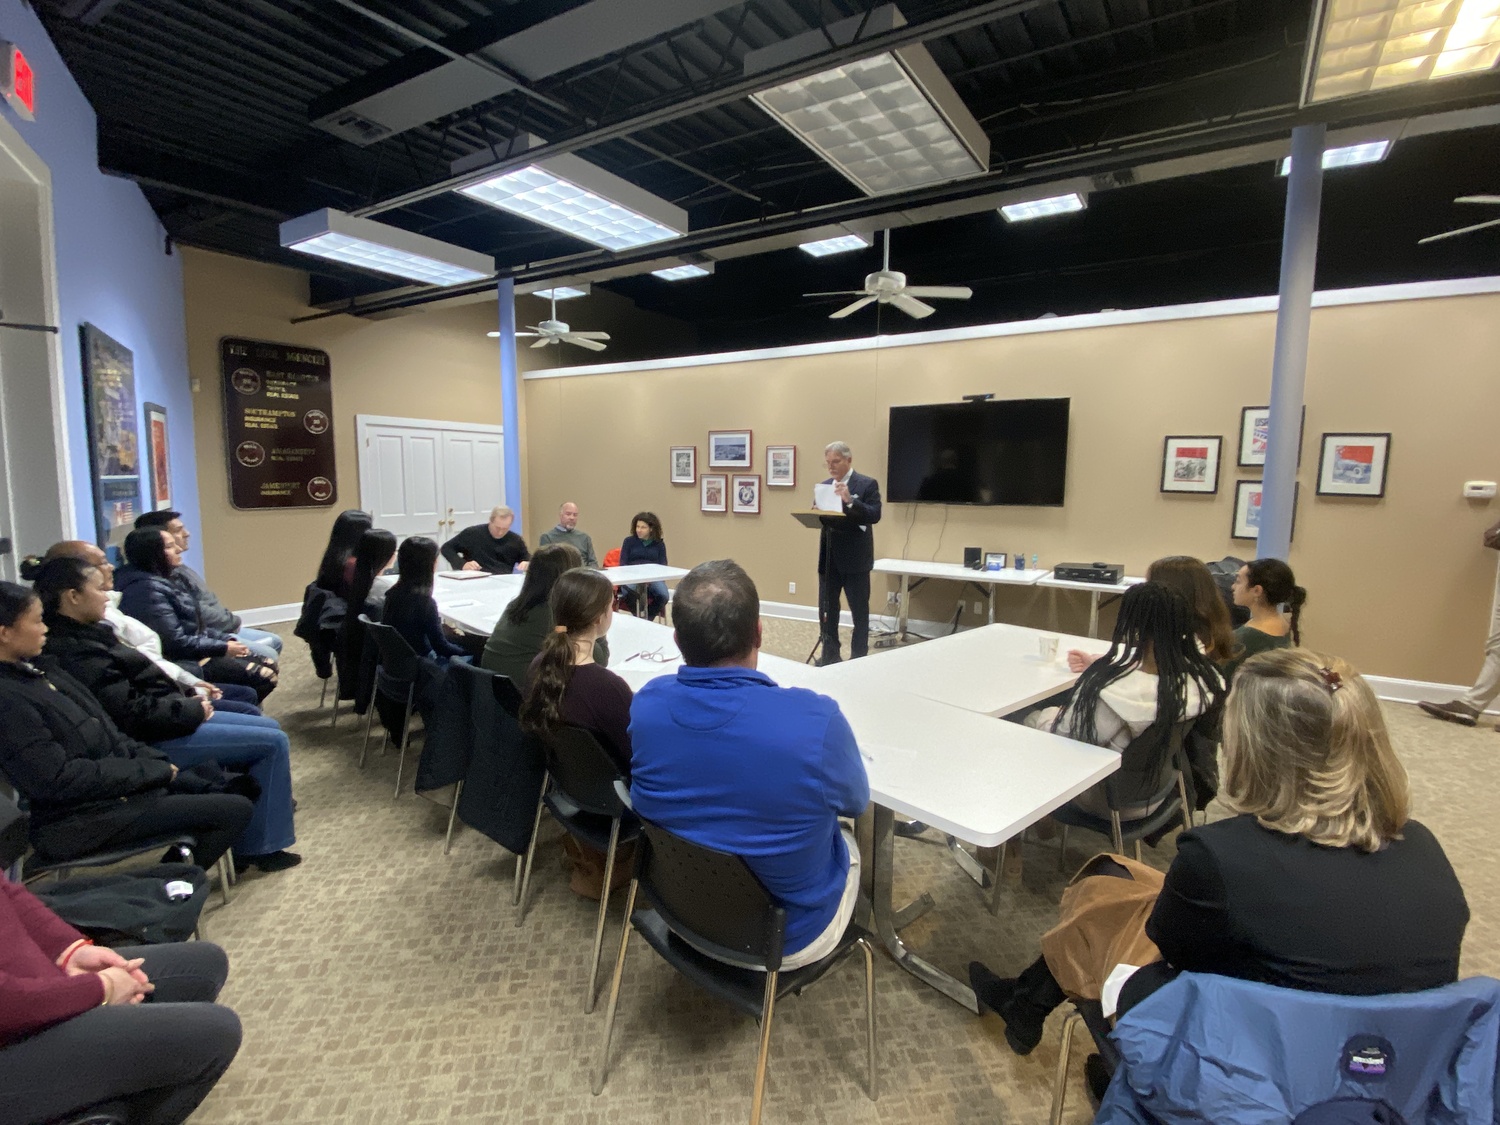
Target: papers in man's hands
<point>826,499</point>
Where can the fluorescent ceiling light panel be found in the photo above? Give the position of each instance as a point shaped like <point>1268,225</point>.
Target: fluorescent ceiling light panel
<point>385,249</point>
<point>1369,45</point>
<point>839,245</point>
<point>569,194</point>
<point>561,292</point>
<point>681,273</point>
<point>1370,152</point>
<point>1041,208</point>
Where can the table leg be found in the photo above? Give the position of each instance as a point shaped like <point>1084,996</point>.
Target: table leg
<point>902,611</point>
<point>1093,613</point>
<point>882,860</point>
<point>991,596</point>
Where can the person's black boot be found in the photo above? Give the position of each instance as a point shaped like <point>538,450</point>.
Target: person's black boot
<point>1097,1076</point>
<point>1006,997</point>
<point>992,992</point>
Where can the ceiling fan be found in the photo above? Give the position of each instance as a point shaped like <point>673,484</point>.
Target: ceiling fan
<point>889,287</point>
<point>554,331</point>
<point>1493,200</point>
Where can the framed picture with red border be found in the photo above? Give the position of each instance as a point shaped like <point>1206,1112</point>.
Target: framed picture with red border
<point>1354,465</point>
<point>713,492</point>
<point>1191,464</point>
<point>744,489</point>
<point>781,466</point>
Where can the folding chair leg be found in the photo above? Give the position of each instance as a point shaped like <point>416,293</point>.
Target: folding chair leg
<point>869,953</point>
<point>609,871</point>
<point>1064,1057</point>
<point>411,696</point>
<point>1187,809</point>
<point>323,699</point>
<point>234,879</point>
<point>1138,858</point>
<point>369,722</point>
<point>1119,836</point>
<point>602,1070</point>
<point>768,1009</point>
<point>1062,850</point>
<point>536,827</point>
<point>224,864</point>
<point>333,722</point>
<point>458,791</point>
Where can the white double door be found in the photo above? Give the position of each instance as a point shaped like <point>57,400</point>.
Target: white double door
<point>420,477</point>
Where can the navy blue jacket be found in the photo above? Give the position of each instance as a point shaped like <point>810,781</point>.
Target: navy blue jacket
<point>171,611</point>
<point>636,550</point>
<point>849,544</point>
<point>415,617</point>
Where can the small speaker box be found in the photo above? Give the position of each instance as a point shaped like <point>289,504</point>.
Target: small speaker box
<point>974,558</point>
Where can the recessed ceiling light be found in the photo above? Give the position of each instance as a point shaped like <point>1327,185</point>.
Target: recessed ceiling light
<point>891,122</point>
<point>837,245</point>
<point>385,249</point>
<point>1368,153</point>
<point>1041,208</point>
<point>681,273</point>
<point>571,195</point>
<point>1368,45</point>
<point>561,292</point>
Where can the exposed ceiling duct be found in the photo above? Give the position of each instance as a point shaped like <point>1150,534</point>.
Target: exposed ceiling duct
<point>429,84</point>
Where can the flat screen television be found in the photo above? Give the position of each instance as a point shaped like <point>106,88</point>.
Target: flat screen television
<point>1009,452</point>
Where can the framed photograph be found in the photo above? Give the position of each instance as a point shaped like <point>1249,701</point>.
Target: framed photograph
<point>781,466</point>
<point>994,560</point>
<point>157,458</point>
<point>713,492</point>
<point>745,488</point>
<point>1255,428</point>
<point>1247,509</point>
<point>1191,464</point>
<point>683,464</point>
<point>1353,464</point>
<point>729,449</point>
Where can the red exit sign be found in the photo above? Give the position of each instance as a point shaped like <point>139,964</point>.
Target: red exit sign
<point>17,81</point>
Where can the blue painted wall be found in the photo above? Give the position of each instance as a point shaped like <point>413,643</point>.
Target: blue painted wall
<point>111,270</point>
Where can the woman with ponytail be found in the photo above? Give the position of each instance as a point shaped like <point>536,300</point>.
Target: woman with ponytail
<point>566,686</point>
<point>1321,881</point>
<point>1264,587</point>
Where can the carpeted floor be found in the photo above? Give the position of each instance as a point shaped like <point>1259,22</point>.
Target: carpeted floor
<point>382,981</point>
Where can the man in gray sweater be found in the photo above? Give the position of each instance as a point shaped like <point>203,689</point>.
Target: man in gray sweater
<point>567,531</point>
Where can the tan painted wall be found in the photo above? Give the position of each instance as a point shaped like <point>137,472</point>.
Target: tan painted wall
<point>435,364</point>
<point>1398,585</point>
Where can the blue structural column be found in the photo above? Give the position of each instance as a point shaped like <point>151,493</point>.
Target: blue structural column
<point>1299,259</point>
<point>510,399</point>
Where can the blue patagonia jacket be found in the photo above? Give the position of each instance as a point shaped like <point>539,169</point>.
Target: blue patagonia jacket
<point>1211,1048</point>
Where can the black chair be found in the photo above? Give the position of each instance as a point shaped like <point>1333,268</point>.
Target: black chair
<point>464,714</point>
<point>1149,775</point>
<point>318,625</point>
<point>579,792</point>
<point>710,918</point>
<point>399,670</point>
<point>1090,1013</point>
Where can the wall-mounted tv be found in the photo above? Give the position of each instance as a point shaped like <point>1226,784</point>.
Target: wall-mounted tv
<point>1009,452</point>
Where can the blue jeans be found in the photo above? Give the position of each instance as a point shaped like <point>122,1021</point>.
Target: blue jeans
<point>238,699</point>
<point>656,598</point>
<point>258,744</point>
<point>260,643</point>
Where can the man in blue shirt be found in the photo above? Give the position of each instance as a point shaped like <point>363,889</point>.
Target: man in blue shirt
<point>725,758</point>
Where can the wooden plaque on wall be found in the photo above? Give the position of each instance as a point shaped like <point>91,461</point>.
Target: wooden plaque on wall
<point>278,425</point>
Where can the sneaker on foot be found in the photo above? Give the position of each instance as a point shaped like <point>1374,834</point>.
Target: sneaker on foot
<point>1454,712</point>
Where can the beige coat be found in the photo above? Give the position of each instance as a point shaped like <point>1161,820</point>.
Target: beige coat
<point>1102,923</point>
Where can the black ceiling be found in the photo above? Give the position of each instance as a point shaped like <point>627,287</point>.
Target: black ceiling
<point>208,105</point>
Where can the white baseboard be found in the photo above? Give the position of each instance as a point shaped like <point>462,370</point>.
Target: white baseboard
<point>270,614</point>
<point>1390,688</point>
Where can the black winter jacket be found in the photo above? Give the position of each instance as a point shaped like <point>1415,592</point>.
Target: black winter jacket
<point>85,780</point>
<point>171,611</point>
<point>139,697</point>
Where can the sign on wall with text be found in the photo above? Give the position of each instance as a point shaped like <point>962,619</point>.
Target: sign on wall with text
<point>114,450</point>
<point>278,425</point>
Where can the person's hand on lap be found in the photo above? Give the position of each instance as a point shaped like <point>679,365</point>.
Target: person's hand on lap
<point>236,648</point>
<point>122,986</point>
<point>472,565</point>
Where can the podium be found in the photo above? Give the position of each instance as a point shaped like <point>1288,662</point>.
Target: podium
<point>814,518</point>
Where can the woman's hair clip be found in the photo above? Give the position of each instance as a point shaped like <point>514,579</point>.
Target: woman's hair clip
<point>1331,678</point>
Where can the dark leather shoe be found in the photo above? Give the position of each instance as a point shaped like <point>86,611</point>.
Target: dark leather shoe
<point>269,863</point>
<point>992,992</point>
<point>1454,712</point>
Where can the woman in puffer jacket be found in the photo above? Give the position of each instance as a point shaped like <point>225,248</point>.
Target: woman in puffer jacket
<point>148,594</point>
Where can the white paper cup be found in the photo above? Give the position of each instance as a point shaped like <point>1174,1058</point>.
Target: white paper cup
<point>1047,647</point>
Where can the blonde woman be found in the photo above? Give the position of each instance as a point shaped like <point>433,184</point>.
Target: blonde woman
<point>1321,882</point>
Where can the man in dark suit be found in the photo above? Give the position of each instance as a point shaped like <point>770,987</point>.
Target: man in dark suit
<point>846,553</point>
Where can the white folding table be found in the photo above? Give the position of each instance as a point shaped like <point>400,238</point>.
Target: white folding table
<point>1095,590</point>
<point>985,580</point>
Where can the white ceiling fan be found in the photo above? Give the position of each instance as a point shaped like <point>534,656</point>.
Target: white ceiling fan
<point>554,331</point>
<point>1493,200</point>
<point>889,287</point>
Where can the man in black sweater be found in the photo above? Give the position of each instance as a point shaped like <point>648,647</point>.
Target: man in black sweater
<point>489,546</point>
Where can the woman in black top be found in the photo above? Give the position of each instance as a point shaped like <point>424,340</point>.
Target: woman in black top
<point>412,612</point>
<point>646,546</point>
<point>1322,882</point>
<point>89,787</point>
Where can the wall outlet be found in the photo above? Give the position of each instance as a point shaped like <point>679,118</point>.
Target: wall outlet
<point>893,598</point>
<point>978,607</point>
<point>791,587</point>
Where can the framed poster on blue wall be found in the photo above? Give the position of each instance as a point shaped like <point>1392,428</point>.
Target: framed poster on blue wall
<point>114,442</point>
